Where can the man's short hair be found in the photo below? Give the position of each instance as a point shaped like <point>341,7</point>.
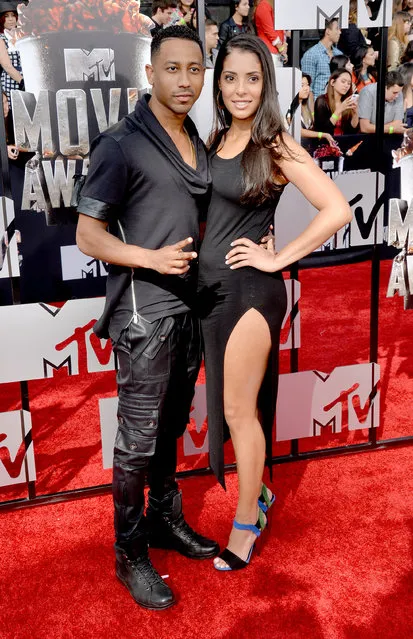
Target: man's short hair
<point>209,22</point>
<point>329,24</point>
<point>175,31</point>
<point>394,77</point>
<point>163,5</point>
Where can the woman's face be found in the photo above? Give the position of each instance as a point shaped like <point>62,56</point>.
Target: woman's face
<point>407,25</point>
<point>342,84</point>
<point>370,57</point>
<point>241,84</point>
<point>305,89</point>
<point>187,4</point>
<point>243,8</point>
<point>10,21</point>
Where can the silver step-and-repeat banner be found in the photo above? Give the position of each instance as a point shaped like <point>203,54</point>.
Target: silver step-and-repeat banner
<point>81,76</point>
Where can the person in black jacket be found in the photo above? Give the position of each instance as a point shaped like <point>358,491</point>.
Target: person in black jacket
<point>237,22</point>
<point>336,111</point>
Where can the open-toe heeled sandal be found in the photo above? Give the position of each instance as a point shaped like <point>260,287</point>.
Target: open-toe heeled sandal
<point>231,559</point>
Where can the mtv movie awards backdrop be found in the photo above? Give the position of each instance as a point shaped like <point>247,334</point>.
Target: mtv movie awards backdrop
<point>84,69</point>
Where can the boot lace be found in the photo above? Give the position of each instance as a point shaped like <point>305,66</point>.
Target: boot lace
<point>185,529</point>
<point>145,568</point>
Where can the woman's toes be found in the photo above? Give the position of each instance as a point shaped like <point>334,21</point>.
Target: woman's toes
<point>218,563</point>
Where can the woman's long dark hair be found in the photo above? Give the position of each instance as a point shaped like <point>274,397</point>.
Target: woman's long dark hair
<point>359,56</point>
<point>348,114</point>
<point>266,146</point>
<point>232,6</point>
<point>306,112</point>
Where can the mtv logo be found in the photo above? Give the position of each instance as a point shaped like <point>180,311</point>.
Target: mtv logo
<point>16,448</point>
<point>76,265</point>
<point>198,415</point>
<point>364,191</point>
<point>309,14</point>
<point>59,337</point>
<point>82,65</point>
<point>323,398</point>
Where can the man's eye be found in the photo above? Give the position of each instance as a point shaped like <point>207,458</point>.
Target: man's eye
<point>171,68</point>
<point>195,69</point>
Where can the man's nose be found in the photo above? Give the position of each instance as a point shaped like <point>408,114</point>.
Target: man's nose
<point>184,79</point>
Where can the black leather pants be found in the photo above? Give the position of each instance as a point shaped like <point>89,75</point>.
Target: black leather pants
<point>158,365</point>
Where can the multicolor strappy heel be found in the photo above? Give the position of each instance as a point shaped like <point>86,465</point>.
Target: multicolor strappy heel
<point>231,559</point>
<point>265,502</point>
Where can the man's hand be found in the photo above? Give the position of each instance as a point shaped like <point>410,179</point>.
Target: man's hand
<point>399,127</point>
<point>170,260</point>
<point>247,253</point>
<point>12,151</point>
<point>268,241</point>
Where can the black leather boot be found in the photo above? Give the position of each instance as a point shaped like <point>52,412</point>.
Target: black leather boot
<point>135,570</point>
<point>168,529</point>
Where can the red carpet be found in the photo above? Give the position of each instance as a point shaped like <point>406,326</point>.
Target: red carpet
<point>335,332</point>
<point>338,563</point>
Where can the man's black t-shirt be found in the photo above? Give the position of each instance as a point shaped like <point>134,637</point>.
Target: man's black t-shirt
<point>139,184</point>
<point>156,28</point>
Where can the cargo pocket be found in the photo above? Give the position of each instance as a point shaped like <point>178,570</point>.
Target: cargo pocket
<point>134,445</point>
<point>156,356</point>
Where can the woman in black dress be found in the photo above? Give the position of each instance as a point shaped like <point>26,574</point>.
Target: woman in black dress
<point>252,158</point>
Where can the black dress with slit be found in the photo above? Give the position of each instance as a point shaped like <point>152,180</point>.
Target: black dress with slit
<point>226,295</point>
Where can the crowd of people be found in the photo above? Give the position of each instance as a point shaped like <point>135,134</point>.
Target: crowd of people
<point>338,94</point>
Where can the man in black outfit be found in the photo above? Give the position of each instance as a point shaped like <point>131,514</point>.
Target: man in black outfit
<point>147,185</point>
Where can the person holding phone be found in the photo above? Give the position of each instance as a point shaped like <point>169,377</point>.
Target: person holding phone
<point>336,111</point>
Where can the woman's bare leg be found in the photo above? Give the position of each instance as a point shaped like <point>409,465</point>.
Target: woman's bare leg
<point>245,363</point>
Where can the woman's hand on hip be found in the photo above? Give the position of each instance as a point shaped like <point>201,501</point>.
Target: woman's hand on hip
<point>246,253</point>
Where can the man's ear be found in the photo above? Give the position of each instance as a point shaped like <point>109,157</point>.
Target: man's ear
<point>149,73</point>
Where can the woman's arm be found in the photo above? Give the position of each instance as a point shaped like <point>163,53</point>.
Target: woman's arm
<point>320,190</point>
<point>355,119</point>
<point>333,213</point>
<point>5,62</point>
<point>308,133</point>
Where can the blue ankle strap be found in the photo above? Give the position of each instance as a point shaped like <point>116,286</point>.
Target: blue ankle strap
<point>263,506</point>
<point>249,527</point>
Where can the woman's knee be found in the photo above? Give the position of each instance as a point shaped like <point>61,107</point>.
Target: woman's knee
<point>237,417</point>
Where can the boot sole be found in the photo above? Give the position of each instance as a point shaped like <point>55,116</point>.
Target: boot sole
<point>153,543</point>
<point>143,605</point>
